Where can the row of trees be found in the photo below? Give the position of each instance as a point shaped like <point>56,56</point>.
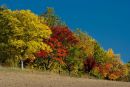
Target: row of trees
<point>45,42</point>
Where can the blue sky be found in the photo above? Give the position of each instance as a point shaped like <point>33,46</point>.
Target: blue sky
<point>108,21</point>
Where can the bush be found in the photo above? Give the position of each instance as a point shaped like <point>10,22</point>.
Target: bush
<point>89,64</point>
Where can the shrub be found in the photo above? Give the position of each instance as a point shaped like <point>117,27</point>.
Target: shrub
<point>89,64</point>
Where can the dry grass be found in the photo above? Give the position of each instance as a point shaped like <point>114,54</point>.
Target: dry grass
<point>27,78</point>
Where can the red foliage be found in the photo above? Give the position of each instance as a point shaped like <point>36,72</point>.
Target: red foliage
<point>63,34</point>
<point>89,64</point>
<point>42,54</point>
<point>60,60</point>
<point>108,66</point>
<point>60,37</point>
<point>111,71</point>
<point>59,51</point>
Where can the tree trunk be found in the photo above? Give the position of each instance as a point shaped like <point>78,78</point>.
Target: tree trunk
<point>22,64</point>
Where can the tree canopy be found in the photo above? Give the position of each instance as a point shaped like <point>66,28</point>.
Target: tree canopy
<point>45,42</point>
<point>21,33</point>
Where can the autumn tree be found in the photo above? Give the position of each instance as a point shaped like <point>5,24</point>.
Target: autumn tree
<point>61,32</point>
<point>64,35</point>
<point>110,53</point>
<point>89,64</point>
<point>19,35</point>
<point>74,60</point>
<point>111,70</point>
<point>100,54</point>
<point>56,57</point>
<point>86,42</point>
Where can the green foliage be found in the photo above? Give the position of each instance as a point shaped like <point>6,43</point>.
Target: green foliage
<point>95,72</point>
<point>99,54</point>
<point>51,19</point>
<point>86,42</point>
<point>74,61</point>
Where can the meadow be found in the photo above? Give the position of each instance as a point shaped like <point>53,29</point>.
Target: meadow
<point>14,77</point>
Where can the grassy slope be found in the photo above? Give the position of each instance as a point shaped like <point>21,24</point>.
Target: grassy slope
<point>27,78</point>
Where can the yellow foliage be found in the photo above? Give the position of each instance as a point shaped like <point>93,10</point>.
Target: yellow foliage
<point>24,31</point>
<point>113,77</point>
<point>85,42</point>
<point>110,53</point>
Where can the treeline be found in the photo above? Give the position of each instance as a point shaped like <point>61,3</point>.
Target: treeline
<point>45,42</point>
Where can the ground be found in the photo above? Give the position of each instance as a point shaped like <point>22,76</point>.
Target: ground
<point>16,78</point>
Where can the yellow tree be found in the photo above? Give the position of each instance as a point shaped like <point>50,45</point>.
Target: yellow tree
<point>110,53</point>
<point>21,34</point>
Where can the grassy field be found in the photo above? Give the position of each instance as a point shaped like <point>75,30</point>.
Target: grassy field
<point>13,77</point>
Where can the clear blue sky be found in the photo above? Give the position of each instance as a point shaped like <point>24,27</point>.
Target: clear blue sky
<point>108,21</point>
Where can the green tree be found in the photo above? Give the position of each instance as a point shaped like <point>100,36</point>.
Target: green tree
<point>100,54</point>
<point>86,42</point>
<point>51,19</point>
<point>74,60</point>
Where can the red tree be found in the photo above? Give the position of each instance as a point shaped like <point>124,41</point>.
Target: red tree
<point>64,35</point>
<point>89,64</point>
<point>59,51</point>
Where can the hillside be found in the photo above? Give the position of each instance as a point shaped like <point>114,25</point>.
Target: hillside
<point>16,78</point>
<point>44,42</point>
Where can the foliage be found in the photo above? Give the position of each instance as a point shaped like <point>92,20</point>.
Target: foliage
<point>85,42</point>
<point>64,35</point>
<point>59,51</point>
<point>109,66</point>
<point>67,44</point>
<point>58,54</point>
<point>20,36</point>
<point>26,36</point>
<point>89,64</point>
<point>100,54</point>
<point>74,60</point>
<point>51,19</point>
<point>112,70</point>
<point>110,53</point>
<point>128,66</point>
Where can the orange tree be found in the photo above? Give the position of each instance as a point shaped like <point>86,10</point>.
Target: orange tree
<point>112,70</point>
